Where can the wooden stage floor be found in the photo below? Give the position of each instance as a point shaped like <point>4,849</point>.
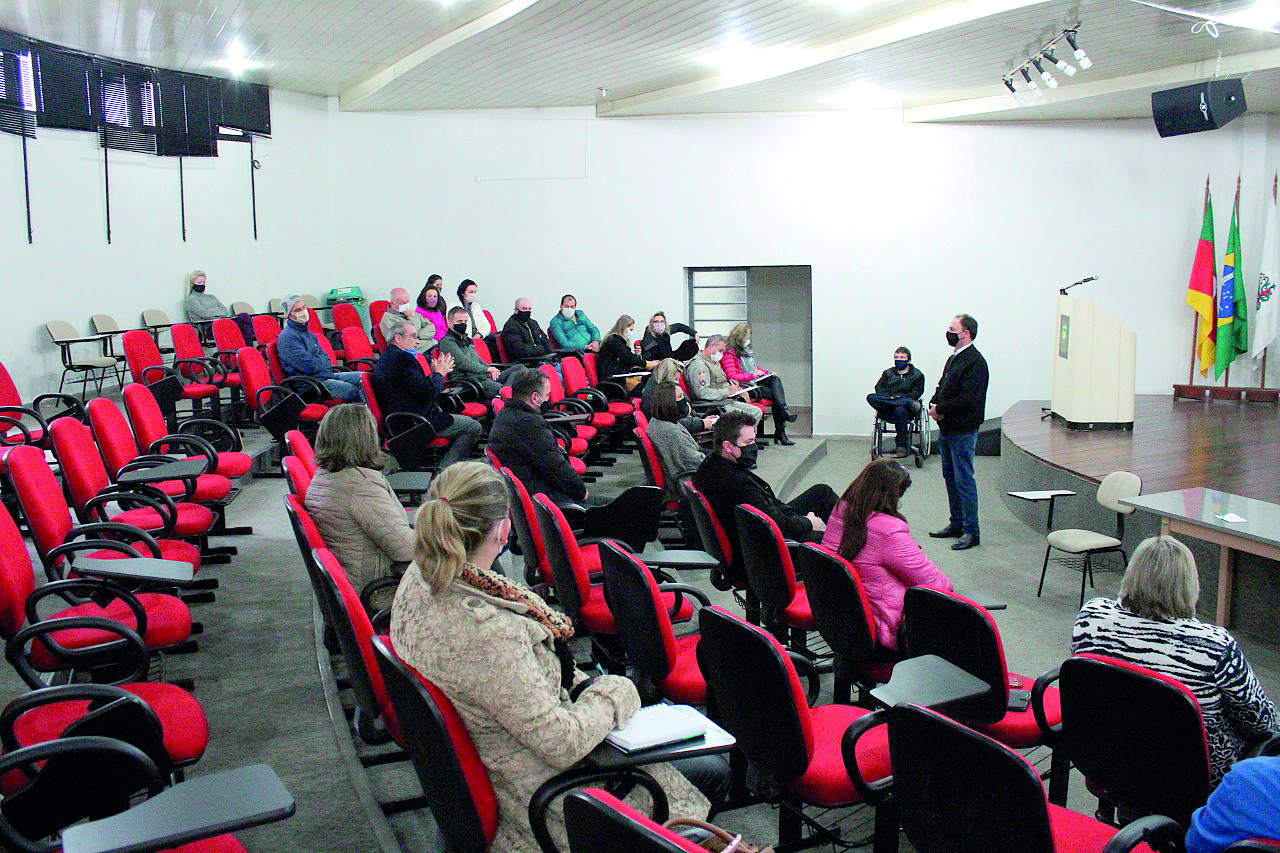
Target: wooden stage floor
<point>1233,447</point>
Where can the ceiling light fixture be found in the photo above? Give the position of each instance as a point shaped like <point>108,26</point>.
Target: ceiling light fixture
<point>1049,79</point>
<point>1008,84</point>
<point>1065,67</point>
<point>1031,84</point>
<point>237,59</point>
<point>1082,60</point>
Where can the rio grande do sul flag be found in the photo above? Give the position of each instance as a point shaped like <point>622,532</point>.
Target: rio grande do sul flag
<point>1201,290</point>
<point>1233,308</point>
<point>1266,317</point>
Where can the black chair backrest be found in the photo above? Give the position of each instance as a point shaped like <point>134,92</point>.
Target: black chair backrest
<point>599,823</point>
<point>715,541</point>
<point>454,781</point>
<point>295,509</point>
<point>530,544</point>
<point>961,632</point>
<point>633,598</point>
<point>764,554</point>
<point>841,609</point>
<point>958,791</point>
<point>554,528</point>
<point>754,693</point>
<point>346,609</point>
<point>1108,710</point>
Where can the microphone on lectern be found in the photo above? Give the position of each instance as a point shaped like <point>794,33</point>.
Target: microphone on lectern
<point>1064,290</point>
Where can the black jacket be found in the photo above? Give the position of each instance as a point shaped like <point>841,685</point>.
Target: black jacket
<point>403,386</point>
<point>657,347</point>
<point>961,397</point>
<point>727,484</point>
<point>617,356</point>
<point>524,339</point>
<point>895,384</point>
<point>524,442</point>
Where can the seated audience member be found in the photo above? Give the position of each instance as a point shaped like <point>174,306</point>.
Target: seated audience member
<point>1153,624</point>
<point>467,363</point>
<point>431,306</point>
<point>739,364</point>
<point>617,357</point>
<point>501,655</point>
<point>668,372</point>
<point>1246,805</point>
<point>867,529</point>
<point>523,337</point>
<point>725,478</point>
<point>478,325</point>
<point>403,386</point>
<point>354,507</point>
<point>708,383</point>
<point>301,355</point>
<point>571,329</point>
<point>897,398</point>
<point>657,340</point>
<point>203,307</point>
<point>523,441</point>
<point>400,311</point>
<point>679,454</point>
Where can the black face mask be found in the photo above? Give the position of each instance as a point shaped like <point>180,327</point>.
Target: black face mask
<point>198,288</point>
<point>460,328</point>
<point>748,458</point>
<point>900,363</point>
<point>953,338</point>
<point>686,408</point>
<point>524,316</point>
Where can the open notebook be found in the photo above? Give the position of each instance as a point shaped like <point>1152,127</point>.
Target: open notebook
<point>657,725</point>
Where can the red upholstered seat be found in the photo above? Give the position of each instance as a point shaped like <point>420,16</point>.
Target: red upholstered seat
<point>475,410</point>
<point>1018,729</point>
<point>825,781</point>
<point>185,729</point>
<point>798,613</point>
<point>1076,833</point>
<point>168,624</point>
<point>599,619</point>
<point>193,519</point>
<point>218,844</point>
<point>314,411</point>
<point>685,682</point>
<point>577,465</point>
<point>603,420</point>
<point>170,549</point>
<point>210,488</point>
<point>620,409</point>
<point>199,390</point>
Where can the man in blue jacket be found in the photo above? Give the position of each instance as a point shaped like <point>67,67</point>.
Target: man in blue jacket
<point>403,386</point>
<point>301,355</point>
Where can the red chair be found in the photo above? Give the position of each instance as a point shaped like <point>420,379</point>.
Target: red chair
<point>311,390</point>
<point>657,477</point>
<point>300,447</point>
<point>766,561</point>
<point>636,601</point>
<point>524,518</point>
<point>147,366</point>
<point>276,408</point>
<point>598,822</point>
<point>266,328</point>
<point>407,436</point>
<point>227,340</point>
<point>573,437</point>
<point>377,308</point>
<point>345,316</point>
<point>961,632</point>
<point>359,352</point>
<point>153,434</point>
<point>602,399</point>
<point>574,406</point>
<point>49,518</point>
<point>843,617</point>
<point>728,574</point>
<point>460,397</point>
<point>755,693</point>
<point>297,476</point>
<point>11,406</point>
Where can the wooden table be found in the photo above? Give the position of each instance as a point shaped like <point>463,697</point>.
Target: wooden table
<point>1194,512</point>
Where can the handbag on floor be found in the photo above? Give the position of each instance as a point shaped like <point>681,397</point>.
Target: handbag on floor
<point>711,837</point>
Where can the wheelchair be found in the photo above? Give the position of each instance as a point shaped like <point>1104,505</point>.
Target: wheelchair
<point>921,441</point>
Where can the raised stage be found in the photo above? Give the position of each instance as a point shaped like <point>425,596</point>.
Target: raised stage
<point>1175,444</point>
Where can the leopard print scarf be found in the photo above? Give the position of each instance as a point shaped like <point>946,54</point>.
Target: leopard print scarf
<point>499,586</point>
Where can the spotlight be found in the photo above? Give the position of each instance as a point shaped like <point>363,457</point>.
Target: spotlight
<point>1065,67</point>
<point>1049,79</point>
<point>1082,60</point>
<point>1031,84</point>
<point>1008,84</point>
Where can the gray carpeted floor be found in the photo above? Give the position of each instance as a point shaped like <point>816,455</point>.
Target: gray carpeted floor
<point>258,679</point>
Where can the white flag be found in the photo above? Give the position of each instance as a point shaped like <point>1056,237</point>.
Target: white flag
<point>1266,317</point>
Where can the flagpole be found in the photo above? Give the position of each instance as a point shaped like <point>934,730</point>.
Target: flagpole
<point>1275,184</point>
<point>1195,328</point>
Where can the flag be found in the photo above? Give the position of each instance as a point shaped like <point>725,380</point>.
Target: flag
<point>1266,313</point>
<point>1200,290</point>
<point>1233,308</point>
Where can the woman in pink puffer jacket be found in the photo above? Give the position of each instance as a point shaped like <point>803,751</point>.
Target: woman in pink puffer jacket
<point>866,529</point>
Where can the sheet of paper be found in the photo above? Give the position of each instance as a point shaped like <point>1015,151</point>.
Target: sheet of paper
<point>1231,518</point>
<point>1043,495</point>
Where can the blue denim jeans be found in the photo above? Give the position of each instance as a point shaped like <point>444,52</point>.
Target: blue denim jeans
<point>347,387</point>
<point>957,473</point>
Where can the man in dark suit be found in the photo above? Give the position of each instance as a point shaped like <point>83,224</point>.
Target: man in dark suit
<point>523,337</point>
<point>403,386</point>
<point>725,478</point>
<point>959,407</point>
<point>523,441</point>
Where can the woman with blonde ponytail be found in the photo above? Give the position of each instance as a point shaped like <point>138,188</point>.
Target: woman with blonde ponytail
<point>500,653</point>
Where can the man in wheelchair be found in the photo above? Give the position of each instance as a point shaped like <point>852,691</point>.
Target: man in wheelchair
<point>897,398</point>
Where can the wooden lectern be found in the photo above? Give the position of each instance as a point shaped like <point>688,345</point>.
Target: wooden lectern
<point>1093,368</point>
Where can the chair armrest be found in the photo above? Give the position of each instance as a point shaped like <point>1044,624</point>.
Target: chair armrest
<point>561,784</point>
<point>471,390</point>
<point>139,494</point>
<point>130,641</point>
<point>806,669</point>
<point>308,387</point>
<point>876,792</point>
<point>568,405</point>
<point>373,586</point>
<point>1156,831</point>
<point>632,517</point>
<point>412,420</point>
<point>1051,734</point>
<point>194,444</point>
<point>74,408</point>
<point>203,428</point>
<point>613,391</point>
<point>381,621</point>
<point>211,369</point>
<point>153,373</point>
<point>55,554</point>
<point>143,463</point>
<point>681,590</point>
<point>38,698</point>
<point>11,423</point>
<point>134,535</point>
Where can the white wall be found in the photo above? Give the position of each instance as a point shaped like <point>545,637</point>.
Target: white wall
<point>70,272</point>
<point>902,225</point>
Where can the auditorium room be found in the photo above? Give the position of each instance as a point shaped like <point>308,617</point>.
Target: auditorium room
<point>581,426</point>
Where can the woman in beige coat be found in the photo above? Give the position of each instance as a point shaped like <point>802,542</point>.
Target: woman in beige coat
<point>358,514</point>
<point>498,652</point>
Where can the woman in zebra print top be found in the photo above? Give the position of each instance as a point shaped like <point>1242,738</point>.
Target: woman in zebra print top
<point>1152,623</point>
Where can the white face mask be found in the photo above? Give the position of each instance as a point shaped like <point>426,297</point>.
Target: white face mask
<point>300,316</point>
<point>567,313</point>
<point>404,307</point>
<point>746,344</point>
<point>716,356</point>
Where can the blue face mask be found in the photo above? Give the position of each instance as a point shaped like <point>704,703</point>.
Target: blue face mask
<point>901,363</point>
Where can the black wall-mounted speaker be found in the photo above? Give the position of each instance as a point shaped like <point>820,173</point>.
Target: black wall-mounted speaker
<point>1202,106</point>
